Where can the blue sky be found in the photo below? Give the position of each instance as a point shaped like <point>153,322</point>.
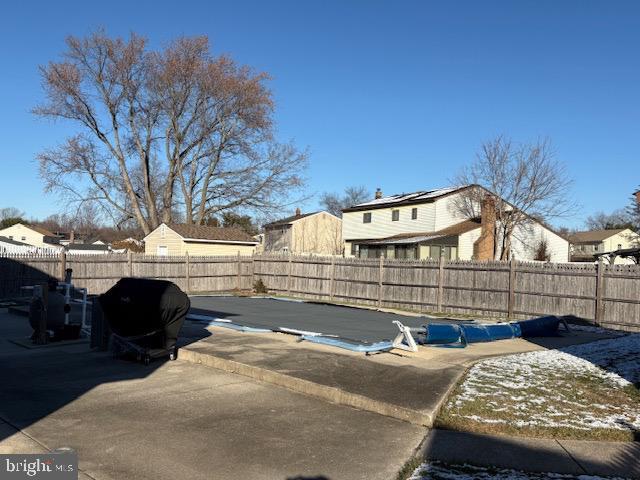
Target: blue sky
<point>396,94</point>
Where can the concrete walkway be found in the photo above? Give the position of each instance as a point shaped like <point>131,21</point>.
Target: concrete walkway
<point>185,420</point>
<point>178,420</point>
<point>576,457</point>
<point>404,385</point>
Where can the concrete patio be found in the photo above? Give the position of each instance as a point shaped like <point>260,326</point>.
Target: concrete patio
<point>185,419</point>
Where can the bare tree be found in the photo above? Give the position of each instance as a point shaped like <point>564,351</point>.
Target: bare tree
<point>10,216</point>
<point>608,221</point>
<point>633,211</point>
<point>163,132</point>
<point>334,203</point>
<point>527,184</point>
<point>10,212</point>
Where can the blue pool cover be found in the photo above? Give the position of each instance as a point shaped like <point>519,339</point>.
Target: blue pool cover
<point>448,334</point>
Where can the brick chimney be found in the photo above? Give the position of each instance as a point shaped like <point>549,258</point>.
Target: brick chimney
<point>484,247</point>
<point>378,193</point>
<point>72,236</point>
<point>298,212</point>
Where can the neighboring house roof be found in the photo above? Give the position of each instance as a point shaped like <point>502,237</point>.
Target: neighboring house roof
<point>202,232</point>
<point>40,230</point>
<point>87,246</point>
<point>289,220</point>
<point>594,236</point>
<point>409,238</point>
<point>35,228</point>
<point>423,196</point>
<point>13,242</point>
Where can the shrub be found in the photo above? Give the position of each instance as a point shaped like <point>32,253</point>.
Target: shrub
<point>259,286</point>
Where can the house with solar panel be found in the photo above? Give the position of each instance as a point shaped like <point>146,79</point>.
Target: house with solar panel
<point>429,224</point>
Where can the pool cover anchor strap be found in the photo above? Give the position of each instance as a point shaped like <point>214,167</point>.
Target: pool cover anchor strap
<point>404,340</point>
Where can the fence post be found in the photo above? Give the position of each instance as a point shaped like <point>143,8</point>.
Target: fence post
<point>130,262</point>
<point>599,307</point>
<point>253,269</point>
<point>187,274</point>
<point>238,284</point>
<point>289,277</point>
<point>332,277</point>
<point>440,299</point>
<point>380,272</point>
<point>512,288</point>
<point>63,264</point>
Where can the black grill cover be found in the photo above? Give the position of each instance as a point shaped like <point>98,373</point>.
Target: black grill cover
<point>140,306</point>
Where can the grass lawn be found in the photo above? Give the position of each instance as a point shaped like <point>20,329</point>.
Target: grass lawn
<point>588,391</point>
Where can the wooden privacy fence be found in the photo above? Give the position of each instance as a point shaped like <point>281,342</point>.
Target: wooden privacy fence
<point>608,295</point>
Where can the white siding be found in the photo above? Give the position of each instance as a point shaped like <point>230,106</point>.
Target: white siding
<point>442,214</point>
<point>526,239</point>
<point>465,244</point>
<point>625,239</point>
<point>445,212</point>
<point>382,226</point>
<point>22,233</point>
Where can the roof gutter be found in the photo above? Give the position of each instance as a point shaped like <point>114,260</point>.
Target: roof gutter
<point>202,240</point>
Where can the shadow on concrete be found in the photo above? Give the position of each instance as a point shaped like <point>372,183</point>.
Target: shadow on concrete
<point>534,455</point>
<point>37,382</point>
<point>41,381</point>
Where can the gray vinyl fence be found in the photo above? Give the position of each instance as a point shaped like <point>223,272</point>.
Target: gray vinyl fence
<point>606,294</point>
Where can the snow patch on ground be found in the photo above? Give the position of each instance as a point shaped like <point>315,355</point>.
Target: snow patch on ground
<point>439,471</point>
<point>543,388</point>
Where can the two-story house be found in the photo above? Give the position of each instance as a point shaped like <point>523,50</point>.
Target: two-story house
<point>318,233</point>
<point>585,246</point>
<point>430,224</point>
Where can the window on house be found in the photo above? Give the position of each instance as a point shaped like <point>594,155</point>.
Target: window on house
<point>163,250</point>
<point>163,230</point>
<point>414,213</point>
<point>395,215</point>
<point>354,249</point>
<point>406,252</point>
<point>595,248</point>
<point>450,253</point>
<point>24,238</point>
<point>619,246</point>
<point>366,217</point>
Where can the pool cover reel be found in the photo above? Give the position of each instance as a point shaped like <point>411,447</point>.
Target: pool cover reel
<point>465,333</point>
<point>453,334</point>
